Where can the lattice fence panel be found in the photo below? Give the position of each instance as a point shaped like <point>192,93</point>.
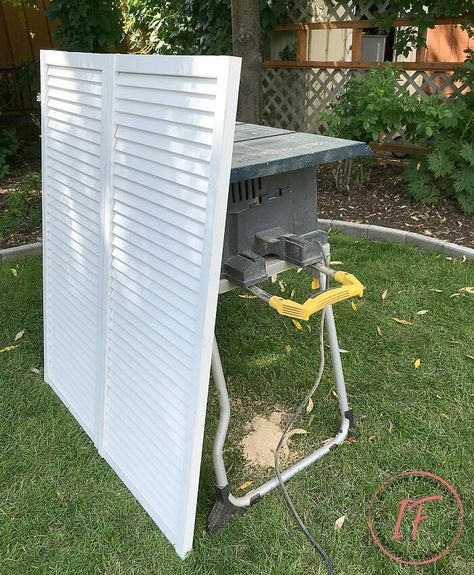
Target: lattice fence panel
<point>294,99</point>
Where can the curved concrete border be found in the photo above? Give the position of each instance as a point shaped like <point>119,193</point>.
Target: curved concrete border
<point>380,233</point>
<point>21,251</point>
<point>365,231</point>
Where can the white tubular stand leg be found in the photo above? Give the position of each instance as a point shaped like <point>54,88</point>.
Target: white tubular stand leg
<point>227,504</point>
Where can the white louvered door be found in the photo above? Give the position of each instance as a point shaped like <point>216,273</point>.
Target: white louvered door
<point>129,338</point>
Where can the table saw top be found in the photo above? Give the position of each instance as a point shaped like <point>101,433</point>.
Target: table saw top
<point>264,151</point>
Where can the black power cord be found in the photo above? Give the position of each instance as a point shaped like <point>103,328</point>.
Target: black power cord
<point>319,548</point>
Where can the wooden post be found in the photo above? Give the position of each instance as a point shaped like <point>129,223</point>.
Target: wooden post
<point>246,44</point>
<point>301,45</point>
<point>356,44</point>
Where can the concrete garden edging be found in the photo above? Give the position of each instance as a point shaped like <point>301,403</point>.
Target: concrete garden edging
<point>365,231</point>
<point>383,234</point>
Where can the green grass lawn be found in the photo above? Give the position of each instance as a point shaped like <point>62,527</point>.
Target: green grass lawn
<point>63,511</point>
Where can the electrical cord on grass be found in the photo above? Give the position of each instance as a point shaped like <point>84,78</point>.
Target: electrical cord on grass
<point>320,549</point>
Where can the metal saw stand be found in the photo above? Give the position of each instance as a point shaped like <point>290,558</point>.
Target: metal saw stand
<point>227,504</point>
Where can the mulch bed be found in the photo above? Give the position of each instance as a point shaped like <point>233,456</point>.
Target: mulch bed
<point>383,202</point>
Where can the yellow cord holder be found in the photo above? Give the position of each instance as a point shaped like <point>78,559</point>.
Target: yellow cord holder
<point>350,287</point>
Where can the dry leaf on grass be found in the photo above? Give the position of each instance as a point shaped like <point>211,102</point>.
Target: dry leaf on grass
<point>336,263</point>
<point>402,321</point>
<point>299,270</point>
<point>35,370</point>
<point>339,522</point>
<point>353,306</point>
<point>293,293</point>
<point>422,312</point>
<point>19,335</point>
<point>379,331</point>
<point>310,405</point>
<point>274,278</point>
<point>8,348</point>
<point>14,272</point>
<point>297,324</point>
<point>469,356</point>
<point>417,363</point>
<point>288,348</point>
<point>390,426</point>
<point>244,485</point>
<point>351,439</point>
<point>247,296</point>
<point>343,350</point>
<point>294,432</point>
<point>436,290</point>
<point>384,294</point>
<point>468,289</point>
<point>282,285</point>
<point>372,439</point>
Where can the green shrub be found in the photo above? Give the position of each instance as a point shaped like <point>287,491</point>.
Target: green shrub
<point>8,147</point>
<point>448,170</point>
<point>372,107</point>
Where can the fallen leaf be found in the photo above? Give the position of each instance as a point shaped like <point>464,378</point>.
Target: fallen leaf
<point>353,306</point>
<point>402,321</point>
<point>297,324</point>
<point>336,263</point>
<point>292,294</point>
<point>8,348</point>
<point>455,294</point>
<point>384,295</point>
<point>299,270</point>
<point>294,432</point>
<point>247,296</point>
<point>390,426</point>
<point>439,396</point>
<point>19,335</point>
<point>422,312</point>
<point>463,259</point>
<point>287,348</point>
<point>282,285</point>
<point>334,392</point>
<point>379,331</point>
<point>436,290</point>
<point>343,350</point>
<point>339,522</point>
<point>309,407</point>
<point>274,278</point>
<point>244,485</point>
<point>309,327</point>
<point>351,439</point>
<point>417,363</point>
<point>469,356</point>
<point>35,370</point>
<point>466,290</point>
<point>372,439</point>
<point>14,272</point>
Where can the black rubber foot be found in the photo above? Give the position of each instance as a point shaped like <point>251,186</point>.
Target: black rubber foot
<point>223,510</point>
<point>352,426</point>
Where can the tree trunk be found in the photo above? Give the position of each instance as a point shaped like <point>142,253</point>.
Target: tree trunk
<point>246,45</point>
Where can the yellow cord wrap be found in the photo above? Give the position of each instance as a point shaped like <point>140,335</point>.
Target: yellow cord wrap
<point>350,287</point>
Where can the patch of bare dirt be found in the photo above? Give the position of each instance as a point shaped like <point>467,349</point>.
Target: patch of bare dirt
<point>261,439</point>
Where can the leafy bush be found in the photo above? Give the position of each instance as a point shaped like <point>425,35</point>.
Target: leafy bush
<point>372,107</point>
<point>8,147</point>
<point>190,26</point>
<point>448,170</point>
<point>87,25</point>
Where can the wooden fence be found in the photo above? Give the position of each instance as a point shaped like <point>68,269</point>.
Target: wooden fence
<point>24,31</point>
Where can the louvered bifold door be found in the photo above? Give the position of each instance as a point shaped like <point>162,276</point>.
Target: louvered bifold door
<point>154,262</point>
